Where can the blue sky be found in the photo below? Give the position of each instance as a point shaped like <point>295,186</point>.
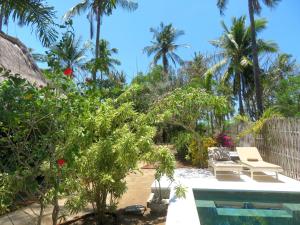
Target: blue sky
<point>200,19</point>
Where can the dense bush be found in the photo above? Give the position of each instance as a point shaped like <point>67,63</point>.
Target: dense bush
<point>181,142</point>
<point>120,137</point>
<point>56,141</point>
<point>35,126</point>
<point>198,152</point>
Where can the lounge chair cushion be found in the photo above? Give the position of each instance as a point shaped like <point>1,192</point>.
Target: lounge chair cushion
<point>261,165</point>
<point>219,154</point>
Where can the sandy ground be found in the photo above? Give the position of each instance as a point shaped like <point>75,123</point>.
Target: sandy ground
<point>139,188</point>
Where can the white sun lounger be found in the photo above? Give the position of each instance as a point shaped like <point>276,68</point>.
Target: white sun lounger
<point>224,166</point>
<point>251,158</point>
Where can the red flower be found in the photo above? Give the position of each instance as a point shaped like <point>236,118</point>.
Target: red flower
<point>61,162</point>
<point>68,72</point>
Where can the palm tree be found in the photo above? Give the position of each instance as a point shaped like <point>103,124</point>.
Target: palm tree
<point>67,53</point>
<point>254,7</point>
<point>96,10</point>
<point>30,12</point>
<point>163,47</point>
<point>236,53</point>
<point>105,63</point>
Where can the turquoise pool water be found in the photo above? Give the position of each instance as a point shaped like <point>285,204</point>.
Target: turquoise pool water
<point>247,208</point>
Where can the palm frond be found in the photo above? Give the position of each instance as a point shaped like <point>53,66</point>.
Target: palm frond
<point>176,58</point>
<point>77,9</point>
<point>38,15</point>
<point>149,50</point>
<point>225,27</point>
<point>256,6</point>
<point>260,25</point>
<point>222,5</point>
<point>216,67</point>
<point>90,17</point>
<point>157,57</point>
<point>163,44</point>
<point>129,5</point>
<point>217,43</point>
<point>245,62</point>
<point>271,3</point>
<point>266,46</point>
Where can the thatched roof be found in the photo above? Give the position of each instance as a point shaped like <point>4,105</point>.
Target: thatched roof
<point>14,56</point>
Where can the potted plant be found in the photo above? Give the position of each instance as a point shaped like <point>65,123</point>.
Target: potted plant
<point>164,163</point>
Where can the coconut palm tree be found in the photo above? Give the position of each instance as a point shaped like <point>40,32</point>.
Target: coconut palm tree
<point>236,53</point>
<point>105,63</point>
<point>96,10</point>
<point>67,53</point>
<point>164,45</point>
<point>254,7</point>
<point>30,12</point>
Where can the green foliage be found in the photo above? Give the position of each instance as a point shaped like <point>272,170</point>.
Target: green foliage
<point>25,117</point>
<point>119,138</point>
<point>154,77</point>
<point>180,191</point>
<point>164,163</point>
<point>236,50</point>
<point>198,155</point>
<point>99,141</point>
<point>105,63</point>
<point>146,89</point>
<point>287,95</point>
<point>35,126</point>
<point>257,126</point>
<point>181,142</point>
<point>198,73</point>
<point>6,192</point>
<point>282,85</point>
<point>198,151</point>
<point>106,8</point>
<point>31,12</point>
<point>163,47</point>
<point>187,106</point>
<point>67,53</point>
<point>241,118</point>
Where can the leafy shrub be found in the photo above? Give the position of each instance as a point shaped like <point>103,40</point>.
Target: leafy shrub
<point>198,152</point>
<point>120,138</point>
<point>181,142</point>
<point>208,142</point>
<point>6,195</point>
<point>36,132</point>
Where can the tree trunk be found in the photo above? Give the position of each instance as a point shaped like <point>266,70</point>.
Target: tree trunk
<point>212,123</point>
<point>1,17</point>
<point>256,71</point>
<point>42,207</point>
<point>56,209</point>
<point>97,47</point>
<point>101,196</point>
<point>241,107</point>
<point>165,65</point>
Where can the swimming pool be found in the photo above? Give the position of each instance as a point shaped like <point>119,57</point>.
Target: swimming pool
<point>216,207</point>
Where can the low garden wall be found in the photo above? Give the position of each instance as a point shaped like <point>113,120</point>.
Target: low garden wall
<point>278,143</point>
